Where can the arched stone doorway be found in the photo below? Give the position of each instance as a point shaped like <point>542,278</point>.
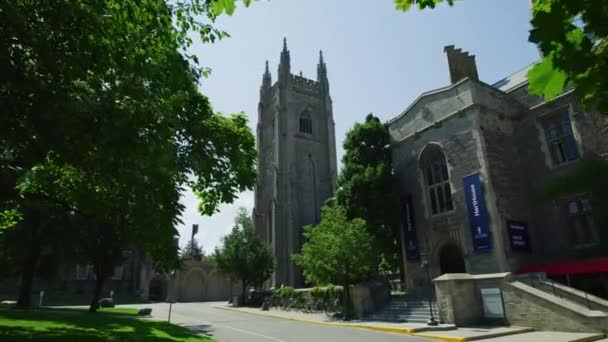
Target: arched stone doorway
<point>451,259</point>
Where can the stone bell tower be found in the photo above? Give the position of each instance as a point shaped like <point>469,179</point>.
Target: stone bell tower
<point>296,162</point>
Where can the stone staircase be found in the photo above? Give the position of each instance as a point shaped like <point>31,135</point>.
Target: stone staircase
<point>402,308</point>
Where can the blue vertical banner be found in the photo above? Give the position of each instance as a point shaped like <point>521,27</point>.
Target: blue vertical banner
<point>518,236</point>
<point>478,217</point>
<point>412,251</point>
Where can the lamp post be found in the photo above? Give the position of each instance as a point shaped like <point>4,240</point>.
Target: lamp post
<point>424,263</point>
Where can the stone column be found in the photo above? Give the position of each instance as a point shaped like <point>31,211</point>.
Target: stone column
<point>459,296</point>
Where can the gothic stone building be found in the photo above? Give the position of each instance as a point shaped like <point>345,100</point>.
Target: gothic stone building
<point>472,158</point>
<point>297,161</point>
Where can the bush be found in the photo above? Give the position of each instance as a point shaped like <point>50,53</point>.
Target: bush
<point>257,298</point>
<point>286,292</point>
<point>319,298</point>
<point>326,293</point>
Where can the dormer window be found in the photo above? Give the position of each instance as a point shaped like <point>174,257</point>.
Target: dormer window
<point>305,122</point>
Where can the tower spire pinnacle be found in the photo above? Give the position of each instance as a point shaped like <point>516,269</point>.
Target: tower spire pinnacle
<point>322,73</point>
<point>267,78</point>
<point>285,64</point>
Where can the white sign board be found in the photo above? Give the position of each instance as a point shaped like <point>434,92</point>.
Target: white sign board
<point>492,303</point>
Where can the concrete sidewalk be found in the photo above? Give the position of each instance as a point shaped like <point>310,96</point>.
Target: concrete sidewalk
<point>444,332</point>
<point>502,335</point>
<point>550,336</point>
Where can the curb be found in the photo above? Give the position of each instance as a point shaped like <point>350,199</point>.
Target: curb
<point>405,331</point>
<point>408,331</point>
<point>475,338</point>
<point>597,337</point>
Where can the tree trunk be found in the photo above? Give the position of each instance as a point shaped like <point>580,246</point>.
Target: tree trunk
<point>244,292</point>
<point>97,293</point>
<point>27,278</point>
<point>28,271</point>
<point>346,305</point>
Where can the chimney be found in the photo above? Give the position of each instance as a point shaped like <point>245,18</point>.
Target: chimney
<point>461,64</point>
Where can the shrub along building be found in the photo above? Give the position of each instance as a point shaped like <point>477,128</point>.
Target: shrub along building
<point>472,159</point>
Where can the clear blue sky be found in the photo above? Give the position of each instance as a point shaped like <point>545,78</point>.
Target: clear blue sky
<point>379,60</point>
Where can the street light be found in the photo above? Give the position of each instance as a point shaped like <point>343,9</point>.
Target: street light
<point>424,263</point>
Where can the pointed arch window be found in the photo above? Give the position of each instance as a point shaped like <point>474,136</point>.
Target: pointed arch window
<point>436,180</point>
<point>305,122</point>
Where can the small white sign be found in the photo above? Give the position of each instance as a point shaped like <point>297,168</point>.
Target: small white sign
<point>492,303</point>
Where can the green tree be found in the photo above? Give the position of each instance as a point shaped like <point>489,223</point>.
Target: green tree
<point>337,251</point>
<point>192,251</point>
<point>243,255</point>
<point>35,245</point>
<point>368,188</point>
<point>573,37</point>
<point>106,218</point>
<point>101,115</point>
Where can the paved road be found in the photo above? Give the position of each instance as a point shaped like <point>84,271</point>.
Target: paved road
<point>230,326</point>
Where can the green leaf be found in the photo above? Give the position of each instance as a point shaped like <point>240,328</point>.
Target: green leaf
<point>9,218</point>
<point>229,5</point>
<point>217,6</point>
<point>545,80</point>
<point>403,5</point>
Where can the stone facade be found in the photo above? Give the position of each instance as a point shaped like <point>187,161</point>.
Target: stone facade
<point>501,133</point>
<point>297,161</point>
<point>200,281</point>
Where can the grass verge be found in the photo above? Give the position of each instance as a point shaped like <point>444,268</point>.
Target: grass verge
<point>67,324</point>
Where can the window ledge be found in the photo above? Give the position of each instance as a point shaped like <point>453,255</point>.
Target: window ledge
<point>443,214</point>
<point>305,136</point>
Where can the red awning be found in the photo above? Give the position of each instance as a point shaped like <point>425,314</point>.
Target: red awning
<point>597,265</point>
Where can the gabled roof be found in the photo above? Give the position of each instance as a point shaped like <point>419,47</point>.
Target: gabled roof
<point>425,94</point>
<point>514,80</point>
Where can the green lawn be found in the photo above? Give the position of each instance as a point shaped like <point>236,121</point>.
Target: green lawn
<point>117,324</point>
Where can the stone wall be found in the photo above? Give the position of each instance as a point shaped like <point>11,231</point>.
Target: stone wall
<point>200,281</point>
<point>584,299</point>
<point>459,296</point>
<point>527,306</point>
<point>460,302</point>
<point>369,297</point>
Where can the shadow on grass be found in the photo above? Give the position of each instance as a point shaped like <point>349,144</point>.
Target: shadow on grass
<point>69,299</point>
<point>116,311</point>
<point>52,298</point>
<point>72,325</point>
